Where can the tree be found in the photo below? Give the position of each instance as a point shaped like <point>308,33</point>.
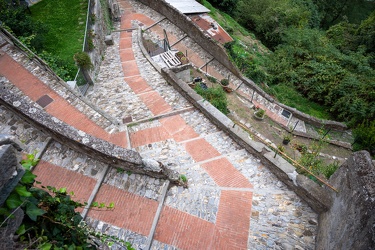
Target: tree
<point>228,6</point>
<point>345,82</point>
<point>364,137</point>
<point>271,19</point>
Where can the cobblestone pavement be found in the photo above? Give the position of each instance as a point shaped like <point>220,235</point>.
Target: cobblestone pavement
<point>232,202</point>
<point>192,145</point>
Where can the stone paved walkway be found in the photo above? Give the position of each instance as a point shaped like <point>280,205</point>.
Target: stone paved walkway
<point>233,202</point>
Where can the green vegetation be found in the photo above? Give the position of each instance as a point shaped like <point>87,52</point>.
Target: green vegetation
<point>66,20</point>
<point>364,135</point>
<point>52,29</point>
<point>82,60</point>
<point>216,96</point>
<point>312,161</point>
<point>51,220</point>
<point>224,82</point>
<point>260,113</point>
<point>291,97</point>
<point>323,53</point>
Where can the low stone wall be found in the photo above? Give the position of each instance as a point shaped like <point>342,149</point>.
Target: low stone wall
<point>78,140</point>
<point>219,53</point>
<point>308,190</point>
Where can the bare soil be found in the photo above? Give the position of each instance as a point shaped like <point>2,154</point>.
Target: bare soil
<point>241,111</point>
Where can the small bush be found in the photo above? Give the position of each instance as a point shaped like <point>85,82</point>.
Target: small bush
<point>364,137</point>
<point>83,60</point>
<point>260,113</point>
<point>212,79</point>
<point>216,96</point>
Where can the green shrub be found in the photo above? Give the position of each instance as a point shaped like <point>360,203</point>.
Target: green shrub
<point>83,60</point>
<point>216,96</point>
<point>364,137</point>
<point>260,113</point>
<point>212,79</point>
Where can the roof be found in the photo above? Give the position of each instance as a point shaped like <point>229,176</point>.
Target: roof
<point>212,28</point>
<point>188,6</point>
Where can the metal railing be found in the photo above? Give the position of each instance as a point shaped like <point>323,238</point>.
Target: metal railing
<point>85,48</point>
<point>287,158</point>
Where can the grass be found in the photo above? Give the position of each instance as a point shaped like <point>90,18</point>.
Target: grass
<point>66,20</point>
<point>289,96</point>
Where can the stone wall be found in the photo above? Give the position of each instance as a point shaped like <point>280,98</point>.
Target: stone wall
<point>350,221</point>
<point>11,172</point>
<point>219,53</point>
<point>78,140</point>
<point>100,31</point>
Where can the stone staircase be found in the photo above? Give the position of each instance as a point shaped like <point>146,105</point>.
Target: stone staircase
<point>81,103</point>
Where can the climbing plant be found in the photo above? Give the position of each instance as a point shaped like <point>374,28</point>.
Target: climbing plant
<point>51,220</point>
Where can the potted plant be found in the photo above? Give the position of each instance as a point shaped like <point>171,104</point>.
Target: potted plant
<point>259,114</point>
<point>179,55</point>
<point>224,84</point>
<point>184,60</point>
<point>286,139</point>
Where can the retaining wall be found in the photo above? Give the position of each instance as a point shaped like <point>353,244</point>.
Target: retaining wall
<point>219,53</point>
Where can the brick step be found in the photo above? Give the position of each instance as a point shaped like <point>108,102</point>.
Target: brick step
<point>56,85</point>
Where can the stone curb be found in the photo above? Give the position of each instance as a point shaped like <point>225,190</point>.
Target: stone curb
<point>157,216</point>
<point>94,192</point>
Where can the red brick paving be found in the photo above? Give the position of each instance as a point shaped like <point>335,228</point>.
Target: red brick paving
<point>233,218</point>
<point>137,84</point>
<point>52,175</point>
<point>183,230</point>
<point>130,68</point>
<point>178,129</point>
<point>147,136</point>
<point>126,55</point>
<point>59,108</point>
<point>125,34</point>
<point>201,150</point>
<point>126,43</point>
<point>155,103</point>
<point>220,34</point>
<point>225,174</point>
<point>131,211</point>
